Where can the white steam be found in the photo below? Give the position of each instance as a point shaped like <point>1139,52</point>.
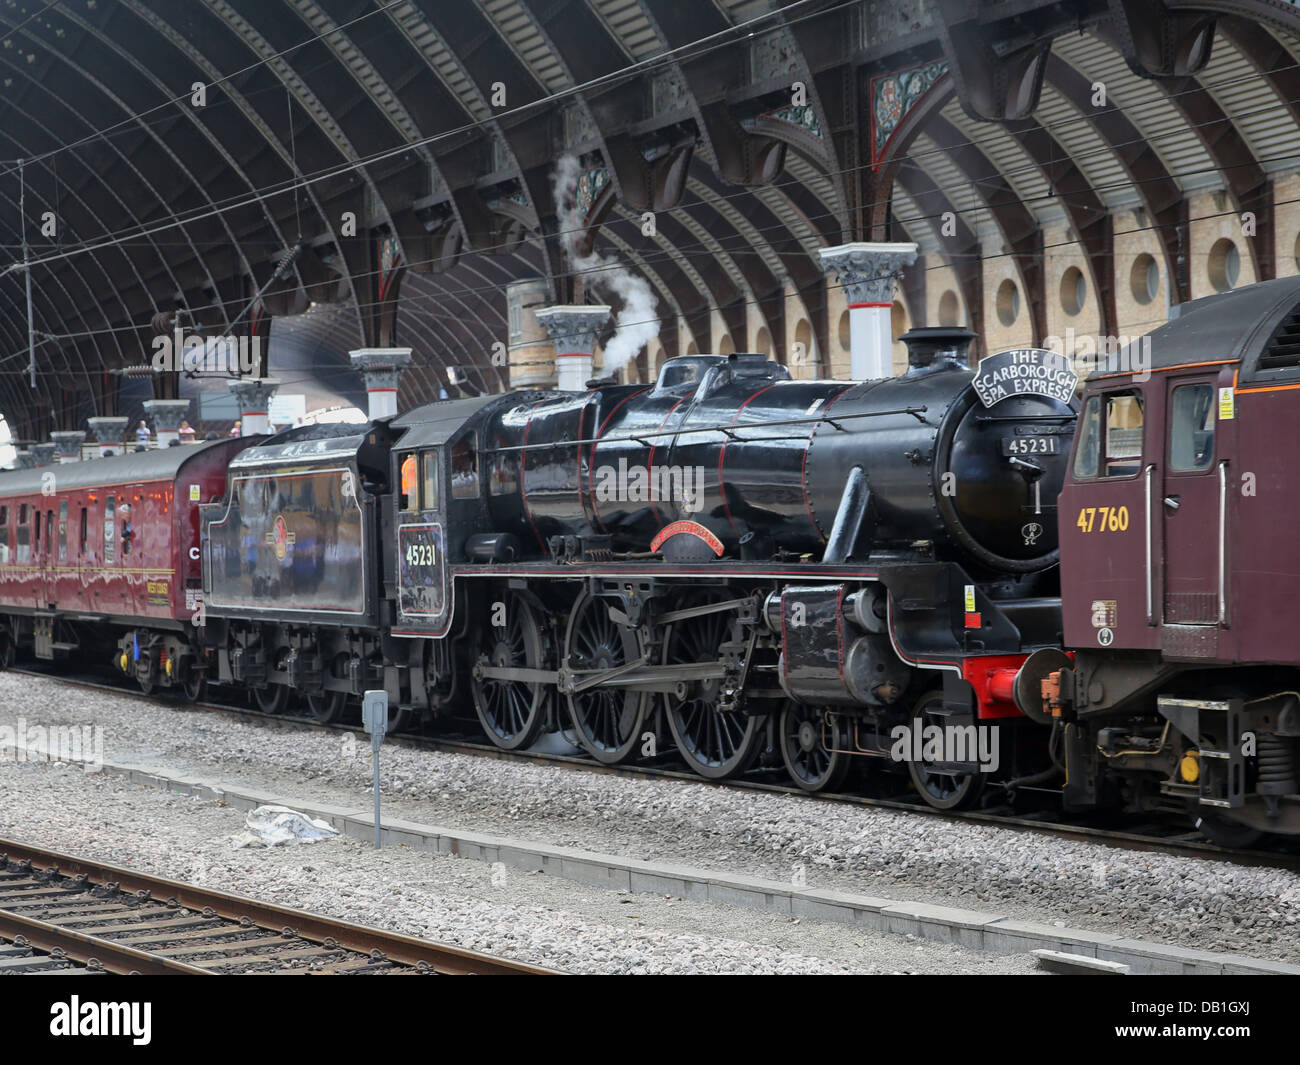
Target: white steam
<point>635,324</point>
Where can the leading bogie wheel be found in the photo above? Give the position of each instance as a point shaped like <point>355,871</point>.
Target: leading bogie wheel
<point>328,706</point>
<point>608,721</point>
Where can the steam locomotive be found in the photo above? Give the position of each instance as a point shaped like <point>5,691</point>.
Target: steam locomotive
<point>752,566</point>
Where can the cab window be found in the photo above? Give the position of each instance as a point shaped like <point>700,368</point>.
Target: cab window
<point>1191,428</point>
<point>410,483</point>
<point>464,469</point>
<point>1110,436</point>
<point>429,480</point>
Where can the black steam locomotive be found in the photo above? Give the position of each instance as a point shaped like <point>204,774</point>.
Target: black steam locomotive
<point>758,567</point>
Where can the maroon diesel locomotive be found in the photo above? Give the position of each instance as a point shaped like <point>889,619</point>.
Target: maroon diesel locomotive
<point>1180,576</point>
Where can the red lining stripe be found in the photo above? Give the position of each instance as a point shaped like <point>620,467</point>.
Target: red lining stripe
<point>523,479</point>
<point>591,455</point>
<point>722,455</point>
<point>803,469</point>
<point>650,460</point>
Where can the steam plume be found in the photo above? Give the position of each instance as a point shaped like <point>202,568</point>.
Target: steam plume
<point>635,324</point>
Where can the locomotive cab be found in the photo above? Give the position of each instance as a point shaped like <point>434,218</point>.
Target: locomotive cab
<point>1177,575</point>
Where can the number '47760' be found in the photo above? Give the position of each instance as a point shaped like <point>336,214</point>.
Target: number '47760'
<point>1103,519</point>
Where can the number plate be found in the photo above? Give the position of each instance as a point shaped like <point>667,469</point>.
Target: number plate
<point>1031,445</point>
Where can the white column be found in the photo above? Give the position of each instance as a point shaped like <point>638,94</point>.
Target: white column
<point>381,367</point>
<point>573,330</point>
<point>108,434</point>
<point>254,395</point>
<point>868,272</point>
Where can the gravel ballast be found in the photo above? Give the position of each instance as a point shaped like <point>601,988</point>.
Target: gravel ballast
<point>1208,904</point>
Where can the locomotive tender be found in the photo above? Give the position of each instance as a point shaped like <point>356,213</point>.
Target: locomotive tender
<point>758,566</point>
<point>1180,577</point>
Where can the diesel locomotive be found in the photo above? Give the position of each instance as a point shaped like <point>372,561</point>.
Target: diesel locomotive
<point>746,565</point>
<point>1180,576</point>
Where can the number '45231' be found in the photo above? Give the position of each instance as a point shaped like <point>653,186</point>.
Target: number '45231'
<point>419,554</point>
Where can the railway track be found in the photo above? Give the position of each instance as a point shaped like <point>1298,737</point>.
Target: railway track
<point>1156,836</point>
<point>60,914</point>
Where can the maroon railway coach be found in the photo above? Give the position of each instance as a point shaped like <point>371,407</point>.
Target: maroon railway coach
<point>100,560</point>
<point>1180,575</point>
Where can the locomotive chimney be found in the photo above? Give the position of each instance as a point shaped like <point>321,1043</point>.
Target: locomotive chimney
<point>381,367</point>
<point>939,347</point>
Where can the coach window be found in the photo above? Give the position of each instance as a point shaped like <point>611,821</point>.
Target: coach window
<point>464,469</point>
<point>24,535</point>
<point>429,480</point>
<point>36,538</point>
<point>1191,428</point>
<point>63,530</point>
<point>410,484</point>
<point>82,548</point>
<point>1110,436</point>
<point>4,534</point>
<point>110,528</point>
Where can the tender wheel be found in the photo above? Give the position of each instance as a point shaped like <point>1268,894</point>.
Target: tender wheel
<point>804,732</point>
<point>273,698</point>
<point>512,712</point>
<point>329,706</point>
<point>608,721</point>
<point>1226,832</point>
<point>714,743</point>
<point>942,789</point>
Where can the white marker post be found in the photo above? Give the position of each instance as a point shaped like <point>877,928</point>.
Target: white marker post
<point>374,715</point>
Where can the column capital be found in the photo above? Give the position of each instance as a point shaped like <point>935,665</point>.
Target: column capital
<point>107,429</point>
<point>254,393</point>
<point>69,442</point>
<point>167,414</point>
<point>25,459</point>
<point>573,328</point>
<point>43,454</point>
<point>868,270</point>
<point>381,362</point>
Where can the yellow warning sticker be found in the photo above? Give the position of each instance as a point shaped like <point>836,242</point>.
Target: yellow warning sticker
<point>970,598</point>
<point>194,493</point>
<point>1227,405</point>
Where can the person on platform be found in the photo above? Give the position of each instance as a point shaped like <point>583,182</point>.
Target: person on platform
<point>186,432</point>
<point>142,434</point>
<point>237,429</point>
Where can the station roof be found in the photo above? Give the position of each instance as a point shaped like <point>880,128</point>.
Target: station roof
<point>174,151</point>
